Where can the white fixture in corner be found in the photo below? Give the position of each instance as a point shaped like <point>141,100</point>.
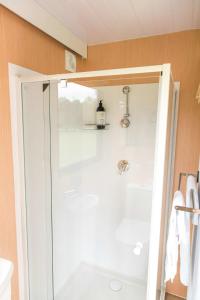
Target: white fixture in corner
<point>138,248</point>
<point>70,61</point>
<point>6,270</point>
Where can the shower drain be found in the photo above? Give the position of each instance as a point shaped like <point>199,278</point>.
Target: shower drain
<point>116,285</point>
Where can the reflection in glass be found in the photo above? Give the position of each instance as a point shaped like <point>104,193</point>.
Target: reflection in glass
<point>76,108</point>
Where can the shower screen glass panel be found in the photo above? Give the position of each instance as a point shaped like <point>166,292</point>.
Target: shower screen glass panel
<point>101,217</point>
<point>37,171</point>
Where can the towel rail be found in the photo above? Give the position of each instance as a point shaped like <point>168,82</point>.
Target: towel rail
<point>184,208</point>
<point>188,209</point>
<point>187,174</point>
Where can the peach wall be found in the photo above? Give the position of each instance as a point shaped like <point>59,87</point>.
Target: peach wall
<point>7,214</point>
<point>23,44</point>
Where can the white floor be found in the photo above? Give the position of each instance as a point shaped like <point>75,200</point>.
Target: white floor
<point>92,283</point>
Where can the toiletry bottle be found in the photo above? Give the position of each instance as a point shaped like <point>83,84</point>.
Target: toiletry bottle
<point>100,116</point>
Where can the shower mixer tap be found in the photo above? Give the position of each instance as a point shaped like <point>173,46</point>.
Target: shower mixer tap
<point>123,166</point>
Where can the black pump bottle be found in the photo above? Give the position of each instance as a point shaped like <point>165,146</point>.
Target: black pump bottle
<point>100,116</point>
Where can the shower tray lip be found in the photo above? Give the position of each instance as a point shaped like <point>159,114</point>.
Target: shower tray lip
<point>94,270</point>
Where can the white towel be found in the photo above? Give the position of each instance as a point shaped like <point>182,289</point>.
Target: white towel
<point>185,247</point>
<point>185,253</point>
<point>176,235</point>
<point>191,187</point>
<point>194,286</point>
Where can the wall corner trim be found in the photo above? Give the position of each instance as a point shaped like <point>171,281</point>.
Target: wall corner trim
<point>30,11</point>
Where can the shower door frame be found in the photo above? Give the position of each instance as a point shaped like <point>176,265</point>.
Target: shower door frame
<point>22,76</point>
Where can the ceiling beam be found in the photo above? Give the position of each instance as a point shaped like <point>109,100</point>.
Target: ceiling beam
<point>30,11</point>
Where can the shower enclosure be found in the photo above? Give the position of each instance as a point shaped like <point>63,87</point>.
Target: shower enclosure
<point>95,231</point>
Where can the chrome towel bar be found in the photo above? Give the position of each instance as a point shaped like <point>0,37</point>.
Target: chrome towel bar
<point>187,209</point>
<point>186,174</point>
<point>184,208</point>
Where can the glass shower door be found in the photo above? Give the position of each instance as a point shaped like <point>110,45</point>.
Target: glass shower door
<point>101,218</point>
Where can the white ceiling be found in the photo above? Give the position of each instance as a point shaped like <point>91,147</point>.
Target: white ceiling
<point>100,21</point>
